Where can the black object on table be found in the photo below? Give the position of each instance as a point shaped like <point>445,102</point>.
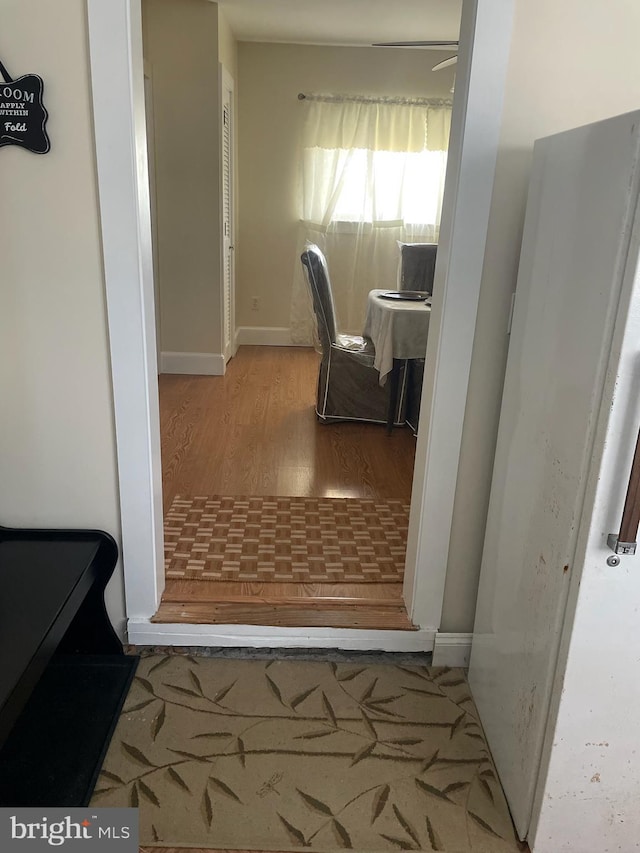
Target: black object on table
<point>63,672</point>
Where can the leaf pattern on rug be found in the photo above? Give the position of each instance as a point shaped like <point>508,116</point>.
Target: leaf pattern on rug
<point>434,840</point>
<point>207,805</point>
<point>223,788</point>
<point>220,695</point>
<point>158,723</point>
<point>299,699</point>
<point>177,778</point>
<point>342,836</point>
<point>295,834</point>
<point>292,756</point>
<point>379,801</point>
<point>363,753</point>
<point>404,823</point>
<point>315,804</point>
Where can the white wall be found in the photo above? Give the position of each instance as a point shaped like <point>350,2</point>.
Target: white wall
<point>57,443</point>
<point>227,44</point>
<point>270,76</point>
<point>181,47</point>
<point>570,64</point>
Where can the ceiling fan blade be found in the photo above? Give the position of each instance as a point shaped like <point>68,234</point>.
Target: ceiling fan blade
<point>415,44</point>
<point>445,63</point>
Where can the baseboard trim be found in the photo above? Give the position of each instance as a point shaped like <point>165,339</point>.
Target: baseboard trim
<point>193,363</point>
<point>142,632</point>
<point>452,649</point>
<point>264,336</point>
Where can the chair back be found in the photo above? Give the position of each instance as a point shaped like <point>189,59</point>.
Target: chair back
<point>417,266</point>
<point>317,272</point>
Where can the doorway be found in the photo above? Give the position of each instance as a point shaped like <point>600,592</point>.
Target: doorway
<point>484,43</point>
<point>252,433</point>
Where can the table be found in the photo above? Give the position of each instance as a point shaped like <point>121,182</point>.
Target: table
<point>399,332</point>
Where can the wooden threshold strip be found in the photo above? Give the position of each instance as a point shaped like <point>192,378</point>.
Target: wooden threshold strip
<point>293,601</point>
<point>315,594</point>
<point>290,615</point>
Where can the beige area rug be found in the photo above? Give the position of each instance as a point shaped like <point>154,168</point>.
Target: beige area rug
<point>304,540</point>
<point>293,756</point>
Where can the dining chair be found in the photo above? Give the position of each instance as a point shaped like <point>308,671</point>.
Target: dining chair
<point>416,272</point>
<point>417,266</point>
<point>348,383</point>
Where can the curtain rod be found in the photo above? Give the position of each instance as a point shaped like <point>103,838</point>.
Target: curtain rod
<point>419,102</point>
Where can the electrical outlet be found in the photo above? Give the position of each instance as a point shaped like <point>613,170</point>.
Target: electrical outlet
<point>255,304</point>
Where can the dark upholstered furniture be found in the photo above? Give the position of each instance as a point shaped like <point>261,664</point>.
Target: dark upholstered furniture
<point>348,383</point>
<point>417,266</point>
<point>63,672</point>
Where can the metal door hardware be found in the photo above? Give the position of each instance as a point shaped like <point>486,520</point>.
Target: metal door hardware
<point>624,542</point>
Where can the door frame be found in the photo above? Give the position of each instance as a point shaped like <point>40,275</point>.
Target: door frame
<point>116,63</point>
<point>151,157</point>
<point>226,84</point>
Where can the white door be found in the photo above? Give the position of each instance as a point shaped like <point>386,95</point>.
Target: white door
<point>555,636</point>
<point>228,248</point>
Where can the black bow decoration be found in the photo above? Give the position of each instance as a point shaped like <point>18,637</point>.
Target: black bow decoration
<point>22,113</point>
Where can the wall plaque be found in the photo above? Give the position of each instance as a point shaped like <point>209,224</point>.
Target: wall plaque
<point>22,113</point>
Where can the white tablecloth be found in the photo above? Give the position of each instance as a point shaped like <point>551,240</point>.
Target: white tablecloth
<point>398,329</point>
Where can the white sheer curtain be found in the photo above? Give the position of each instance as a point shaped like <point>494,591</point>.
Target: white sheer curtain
<point>372,175</point>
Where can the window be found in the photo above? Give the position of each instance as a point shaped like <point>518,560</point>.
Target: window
<point>389,186</point>
<point>373,173</point>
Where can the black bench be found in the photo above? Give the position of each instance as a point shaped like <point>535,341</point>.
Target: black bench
<point>63,671</point>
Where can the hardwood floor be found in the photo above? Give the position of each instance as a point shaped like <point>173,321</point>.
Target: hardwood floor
<point>254,432</point>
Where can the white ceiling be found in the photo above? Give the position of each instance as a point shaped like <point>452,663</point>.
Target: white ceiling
<point>342,22</point>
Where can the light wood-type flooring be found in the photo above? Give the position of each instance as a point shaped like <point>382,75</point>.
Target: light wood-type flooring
<point>254,432</point>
